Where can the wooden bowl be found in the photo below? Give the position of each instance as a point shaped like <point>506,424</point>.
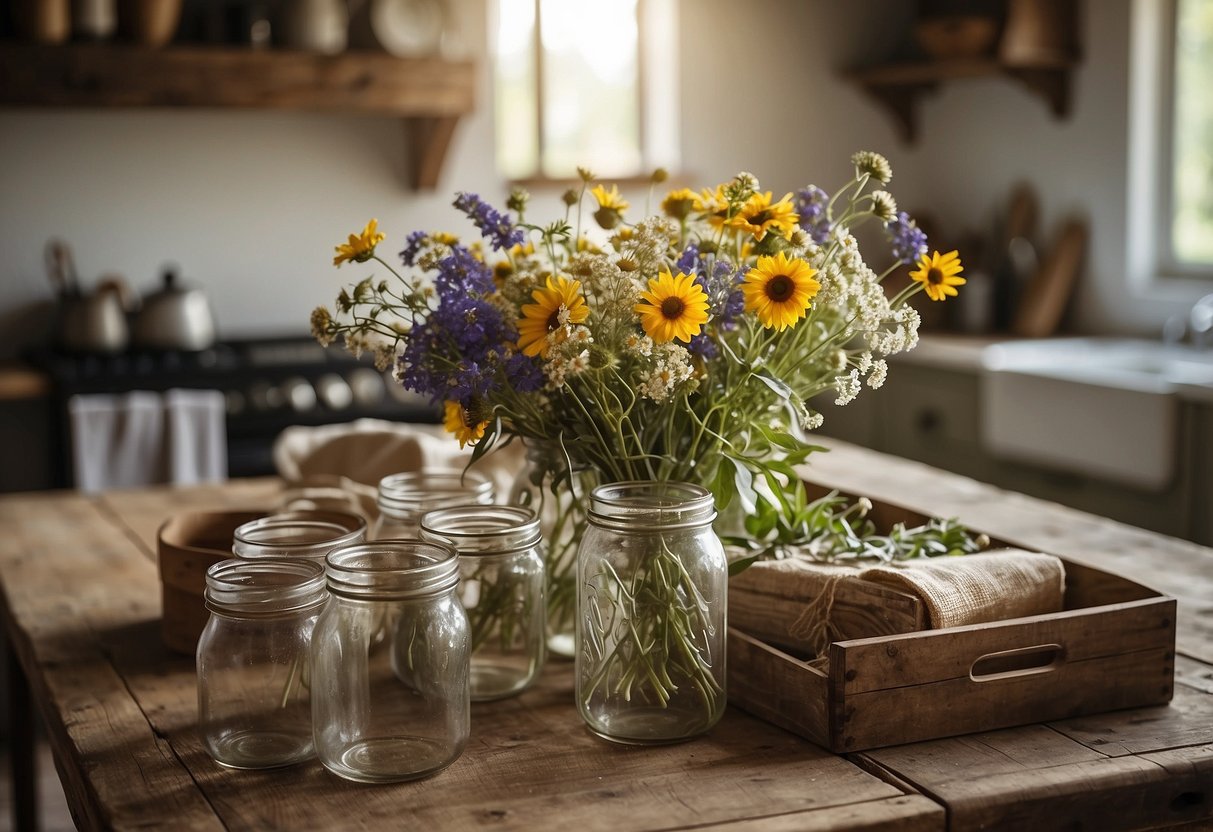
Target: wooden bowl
<point>963,36</point>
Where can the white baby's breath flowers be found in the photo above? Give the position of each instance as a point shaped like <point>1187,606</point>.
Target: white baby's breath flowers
<point>641,345</point>
<point>848,388</point>
<point>670,368</point>
<point>880,370</point>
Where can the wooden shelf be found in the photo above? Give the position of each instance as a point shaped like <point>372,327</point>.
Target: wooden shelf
<point>429,94</point>
<point>899,88</point>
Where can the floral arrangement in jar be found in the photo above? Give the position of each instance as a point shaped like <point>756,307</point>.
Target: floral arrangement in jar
<point>687,346</point>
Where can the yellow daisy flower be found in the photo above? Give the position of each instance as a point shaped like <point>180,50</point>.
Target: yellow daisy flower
<point>759,215</point>
<point>361,247</point>
<point>455,421</point>
<point>674,307</point>
<point>679,203</point>
<point>779,290</point>
<point>610,206</point>
<point>559,304</point>
<point>713,204</point>
<point>939,274</point>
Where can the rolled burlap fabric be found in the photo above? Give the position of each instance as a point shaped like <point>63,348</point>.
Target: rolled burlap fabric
<point>974,589</point>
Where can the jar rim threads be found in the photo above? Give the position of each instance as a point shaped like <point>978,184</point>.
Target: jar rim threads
<point>480,531</point>
<point>622,506</point>
<point>264,587</point>
<point>290,536</point>
<point>392,569</point>
<point>412,493</point>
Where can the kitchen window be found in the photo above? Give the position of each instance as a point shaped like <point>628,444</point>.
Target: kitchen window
<point>590,83</point>
<point>1171,139</point>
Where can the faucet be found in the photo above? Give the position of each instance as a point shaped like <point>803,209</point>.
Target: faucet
<point>1200,321</point>
<point>1197,325</point>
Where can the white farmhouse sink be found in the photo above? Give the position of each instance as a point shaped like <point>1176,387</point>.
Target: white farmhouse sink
<point>1108,408</point>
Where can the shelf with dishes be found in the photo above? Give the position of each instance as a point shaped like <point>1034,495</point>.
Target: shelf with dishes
<point>430,94</point>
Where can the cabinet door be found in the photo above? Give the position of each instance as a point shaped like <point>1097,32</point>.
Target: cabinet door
<point>931,415</point>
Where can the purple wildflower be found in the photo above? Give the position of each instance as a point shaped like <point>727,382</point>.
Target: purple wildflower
<point>812,204</point>
<point>909,241</point>
<point>524,373</point>
<point>688,262</point>
<point>491,222</point>
<point>409,255</point>
<point>460,273</point>
<point>703,345</point>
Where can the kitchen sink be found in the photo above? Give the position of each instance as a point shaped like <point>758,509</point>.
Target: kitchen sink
<point>1102,407</point>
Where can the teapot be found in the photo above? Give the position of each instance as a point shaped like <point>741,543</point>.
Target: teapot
<point>93,322</point>
<point>175,317</point>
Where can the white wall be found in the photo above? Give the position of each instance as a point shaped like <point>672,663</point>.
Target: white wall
<point>251,203</point>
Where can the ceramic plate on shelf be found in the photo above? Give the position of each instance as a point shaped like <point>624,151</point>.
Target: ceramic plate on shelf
<point>407,28</point>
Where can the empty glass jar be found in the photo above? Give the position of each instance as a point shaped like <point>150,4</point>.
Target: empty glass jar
<point>404,498</point>
<point>398,711</point>
<point>501,585</point>
<point>651,613</point>
<point>253,703</point>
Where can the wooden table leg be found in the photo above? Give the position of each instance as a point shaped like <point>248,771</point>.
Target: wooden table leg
<point>21,747</point>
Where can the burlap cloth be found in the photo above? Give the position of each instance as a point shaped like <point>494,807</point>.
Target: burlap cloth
<point>324,466</point>
<point>805,606</point>
<point>974,589</point>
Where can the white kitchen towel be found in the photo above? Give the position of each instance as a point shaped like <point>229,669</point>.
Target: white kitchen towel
<point>145,438</point>
<point>196,446</point>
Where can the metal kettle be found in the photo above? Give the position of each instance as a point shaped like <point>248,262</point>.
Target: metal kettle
<point>93,322</point>
<point>175,317</point>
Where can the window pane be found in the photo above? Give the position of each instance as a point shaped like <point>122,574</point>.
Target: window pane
<point>591,107</point>
<point>1192,183</point>
<point>516,89</point>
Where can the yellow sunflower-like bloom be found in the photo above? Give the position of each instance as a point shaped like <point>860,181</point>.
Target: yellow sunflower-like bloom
<point>361,247</point>
<point>674,307</point>
<point>714,205</point>
<point>679,203</point>
<point>560,303</point>
<point>759,215</point>
<point>455,420</point>
<point>779,290</point>
<point>610,206</point>
<point>939,274</point>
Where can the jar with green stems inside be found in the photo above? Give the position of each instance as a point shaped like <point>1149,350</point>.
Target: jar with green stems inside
<point>652,613</point>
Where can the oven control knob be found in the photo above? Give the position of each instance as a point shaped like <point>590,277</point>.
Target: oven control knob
<point>299,394</point>
<point>367,385</point>
<point>334,391</point>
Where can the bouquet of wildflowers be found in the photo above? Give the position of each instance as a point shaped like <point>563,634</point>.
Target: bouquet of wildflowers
<point>688,345</point>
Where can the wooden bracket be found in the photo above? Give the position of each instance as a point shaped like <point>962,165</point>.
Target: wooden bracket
<point>1053,85</point>
<point>429,140</point>
<point>901,102</point>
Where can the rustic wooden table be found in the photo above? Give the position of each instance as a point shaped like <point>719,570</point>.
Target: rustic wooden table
<point>81,607</point>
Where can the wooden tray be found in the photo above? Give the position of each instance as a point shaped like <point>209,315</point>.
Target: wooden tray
<point>1112,647</point>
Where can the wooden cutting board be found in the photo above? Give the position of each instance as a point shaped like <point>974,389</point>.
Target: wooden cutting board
<point>1044,298</point>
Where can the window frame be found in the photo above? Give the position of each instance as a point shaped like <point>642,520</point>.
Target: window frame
<point>653,17</point>
<point>1152,113</point>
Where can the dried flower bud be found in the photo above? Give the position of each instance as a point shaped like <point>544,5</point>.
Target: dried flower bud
<point>884,207</point>
<point>660,175</point>
<point>570,197</point>
<point>607,218</point>
<point>874,165</point>
<point>586,174</point>
<point>517,200</point>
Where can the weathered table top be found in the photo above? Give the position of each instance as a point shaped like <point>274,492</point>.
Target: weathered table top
<point>81,607</point>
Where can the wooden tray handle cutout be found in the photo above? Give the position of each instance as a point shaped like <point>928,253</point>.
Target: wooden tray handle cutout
<point>1022,661</point>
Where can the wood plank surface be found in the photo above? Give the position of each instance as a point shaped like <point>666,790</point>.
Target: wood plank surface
<point>84,599</point>
<point>73,582</point>
<point>1176,567</point>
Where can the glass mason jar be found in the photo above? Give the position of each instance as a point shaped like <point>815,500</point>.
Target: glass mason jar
<point>651,620</point>
<point>501,585</point>
<point>297,534</point>
<point>560,502</point>
<point>253,701</point>
<point>382,716</point>
<point>404,498</point>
